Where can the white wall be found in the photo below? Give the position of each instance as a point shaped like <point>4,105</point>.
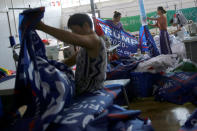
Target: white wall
<point>126,7</point>
<point>52,17</point>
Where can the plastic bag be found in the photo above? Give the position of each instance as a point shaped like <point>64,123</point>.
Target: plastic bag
<point>157,64</point>
<point>176,44</point>
<point>157,42</point>
<point>178,47</point>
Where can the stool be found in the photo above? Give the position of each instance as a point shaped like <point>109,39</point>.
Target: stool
<point>124,83</point>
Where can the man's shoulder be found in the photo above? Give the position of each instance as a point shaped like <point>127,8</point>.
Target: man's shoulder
<point>164,17</point>
<point>95,40</point>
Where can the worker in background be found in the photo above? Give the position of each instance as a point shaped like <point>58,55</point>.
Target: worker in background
<point>118,25</point>
<point>161,23</point>
<point>180,31</point>
<point>116,20</point>
<point>90,60</point>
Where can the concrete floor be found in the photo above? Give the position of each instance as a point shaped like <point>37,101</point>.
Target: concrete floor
<point>164,116</point>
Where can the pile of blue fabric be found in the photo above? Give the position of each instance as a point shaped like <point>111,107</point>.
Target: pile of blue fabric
<point>178,88</point>
<point>175,87</point>
<point>141,84</point>
<point>121,68</point>
<point>47,88</point>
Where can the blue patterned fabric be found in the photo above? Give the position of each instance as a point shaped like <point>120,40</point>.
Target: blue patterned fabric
<point>95,112</point>
<point>85,116</point>
<point>191,123</point>
<point>76,116</point>
<point>44,86</point>
<point>85,109</point>
<point>118,120</point>
<point>147,43</point>
<point>142,83</point>
<point>128,43</point>
<point>177,88</point>
<point>120,69</point>
<point>47,87</point>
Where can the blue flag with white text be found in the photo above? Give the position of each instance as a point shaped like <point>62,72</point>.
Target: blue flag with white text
<point>128,43</point>
<point>147,43</point>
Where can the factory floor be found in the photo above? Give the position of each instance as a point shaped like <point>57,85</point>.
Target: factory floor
<point>164,116</point>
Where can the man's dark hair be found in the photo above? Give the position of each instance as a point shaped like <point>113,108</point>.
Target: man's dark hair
<point>79,19</point>
<point>116,14</point>
<point>161,9</point>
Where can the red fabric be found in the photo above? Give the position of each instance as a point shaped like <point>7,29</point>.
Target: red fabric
<point>74,68</point>
<point>46,42</point>
<point>98,29</point>
<point>113,57</point>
